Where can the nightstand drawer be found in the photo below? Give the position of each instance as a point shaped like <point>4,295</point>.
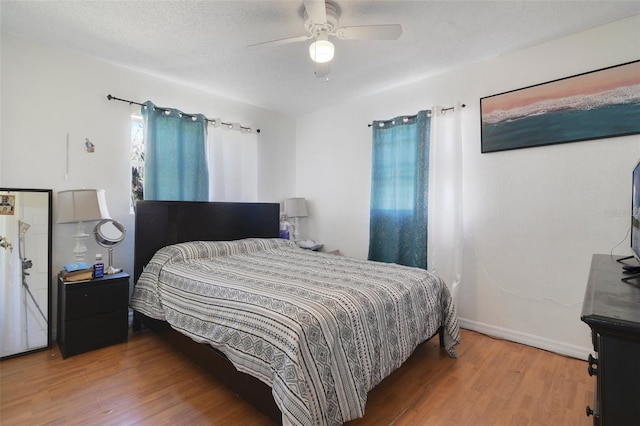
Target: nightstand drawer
<point>90,298</point>
<point>95,332</point>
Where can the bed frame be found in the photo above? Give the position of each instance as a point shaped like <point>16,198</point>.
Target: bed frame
<point>161,223</point>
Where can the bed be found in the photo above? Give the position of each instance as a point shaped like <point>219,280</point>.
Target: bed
<point>301,335</point>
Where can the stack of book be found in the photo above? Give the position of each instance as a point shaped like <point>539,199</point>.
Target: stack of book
<point>77,271</point>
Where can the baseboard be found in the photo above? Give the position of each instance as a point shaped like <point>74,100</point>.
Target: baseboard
<point>573,351</point>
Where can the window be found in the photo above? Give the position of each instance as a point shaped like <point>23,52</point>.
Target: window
<point>399,190</point>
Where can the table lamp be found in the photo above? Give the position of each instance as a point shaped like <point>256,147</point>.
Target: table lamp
<point>295,208</point>
<point>78,206</point>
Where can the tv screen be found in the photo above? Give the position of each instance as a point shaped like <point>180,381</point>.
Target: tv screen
<point>635,212</point>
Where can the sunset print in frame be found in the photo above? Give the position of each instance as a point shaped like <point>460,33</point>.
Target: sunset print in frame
<point>599,104</point>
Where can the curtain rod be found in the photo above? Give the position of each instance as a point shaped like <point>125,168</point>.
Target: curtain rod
<point>443,111</point>
<point>215,122</point>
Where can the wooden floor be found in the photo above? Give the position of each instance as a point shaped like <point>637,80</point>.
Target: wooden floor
<point>145,382</point>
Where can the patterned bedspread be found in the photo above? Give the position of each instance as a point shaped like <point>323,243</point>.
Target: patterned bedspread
<point>321,330</point>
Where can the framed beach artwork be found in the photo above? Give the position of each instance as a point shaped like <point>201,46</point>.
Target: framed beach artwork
<point>594,105</point>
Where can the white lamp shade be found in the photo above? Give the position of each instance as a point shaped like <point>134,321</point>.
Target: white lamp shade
<point>295,207</point>
<point>82,205</point>
<point>321,51</point>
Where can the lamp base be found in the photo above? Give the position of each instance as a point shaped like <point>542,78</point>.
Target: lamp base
<point>80,249</point>
<point>295,236</point>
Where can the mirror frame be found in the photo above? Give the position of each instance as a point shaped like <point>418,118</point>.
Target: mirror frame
<point>102,239</point>
<point>49,193</point>
<point>109,244</point>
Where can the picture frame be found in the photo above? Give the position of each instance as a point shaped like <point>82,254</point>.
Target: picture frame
<point>599,104</point>
<point>7,204</point>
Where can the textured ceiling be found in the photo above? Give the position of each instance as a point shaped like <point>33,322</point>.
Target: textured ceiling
<point>202,43</point>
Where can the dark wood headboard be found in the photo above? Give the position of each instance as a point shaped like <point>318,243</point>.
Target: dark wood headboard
<point>162,223</point>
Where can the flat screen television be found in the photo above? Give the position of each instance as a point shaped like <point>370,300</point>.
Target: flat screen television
<point>635,212</point>
<point>632,272</point>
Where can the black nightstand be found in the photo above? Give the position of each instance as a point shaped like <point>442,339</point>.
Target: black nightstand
<point>92,314</point>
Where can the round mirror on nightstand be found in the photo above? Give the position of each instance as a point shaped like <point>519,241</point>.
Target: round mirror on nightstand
<point>109,233</point>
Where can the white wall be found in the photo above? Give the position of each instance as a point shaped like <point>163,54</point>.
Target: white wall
<point>48,93</point>
<point>532,217</point>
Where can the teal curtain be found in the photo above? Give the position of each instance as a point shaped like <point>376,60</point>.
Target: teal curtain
<point>399,190</point>
<point>175,155</point>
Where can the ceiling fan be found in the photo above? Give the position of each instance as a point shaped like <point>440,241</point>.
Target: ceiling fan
<point>321,21</point>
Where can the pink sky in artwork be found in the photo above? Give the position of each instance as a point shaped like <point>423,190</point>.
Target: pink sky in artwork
<point>595,82</point>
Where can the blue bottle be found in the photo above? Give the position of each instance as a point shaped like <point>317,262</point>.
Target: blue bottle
<point>98,267</point>
<point>284,229</point>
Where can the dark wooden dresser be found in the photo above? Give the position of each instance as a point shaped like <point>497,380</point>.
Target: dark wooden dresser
<point>612,309</point>
<point>93,313</point>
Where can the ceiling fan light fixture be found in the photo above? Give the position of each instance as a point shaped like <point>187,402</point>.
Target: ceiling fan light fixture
<point>321,51</point>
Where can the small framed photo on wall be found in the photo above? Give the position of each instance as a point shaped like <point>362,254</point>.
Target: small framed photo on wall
<point>7,204</point>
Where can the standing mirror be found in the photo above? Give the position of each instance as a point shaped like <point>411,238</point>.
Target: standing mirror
<point>25,270</point>
<point>109,233</point>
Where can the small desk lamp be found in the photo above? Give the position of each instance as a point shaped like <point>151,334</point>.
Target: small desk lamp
<point>295,208</point>
<point>82,205</point>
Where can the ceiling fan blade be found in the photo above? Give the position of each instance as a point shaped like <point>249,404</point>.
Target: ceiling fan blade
<point>322,69</point>
<point>280,41</point>
<point>370,32</point>
<point>316,11</point>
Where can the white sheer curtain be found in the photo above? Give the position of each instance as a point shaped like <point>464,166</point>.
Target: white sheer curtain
<point>233,165</point>
<point>445,198</point>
